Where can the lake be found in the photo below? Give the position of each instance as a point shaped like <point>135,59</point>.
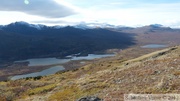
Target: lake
<point>154,46</point>
<point>48,71</point>
<point>51,61</point>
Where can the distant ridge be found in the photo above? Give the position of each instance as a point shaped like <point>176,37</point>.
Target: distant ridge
<point>21,40</point>
<point>84,25</point>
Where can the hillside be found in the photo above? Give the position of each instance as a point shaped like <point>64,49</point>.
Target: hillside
<point>154,34</point>
<point>21,40</point>
<point>156,72</point>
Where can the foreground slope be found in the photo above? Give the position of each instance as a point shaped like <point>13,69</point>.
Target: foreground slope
<point>157,72</point>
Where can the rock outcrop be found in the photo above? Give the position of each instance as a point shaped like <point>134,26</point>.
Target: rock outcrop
<point>90,98</point>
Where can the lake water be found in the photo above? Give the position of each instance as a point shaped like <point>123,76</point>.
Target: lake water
<point>51,61</point>
<point>92,56</point>
<point>154,46</point>
<point>49,71</point>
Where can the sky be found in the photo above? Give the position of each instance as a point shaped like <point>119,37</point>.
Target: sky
<point>70,12</point>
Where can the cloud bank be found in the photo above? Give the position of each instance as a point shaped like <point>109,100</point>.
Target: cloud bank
<point>43,8</point>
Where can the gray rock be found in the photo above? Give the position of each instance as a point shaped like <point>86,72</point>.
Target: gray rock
<point>90,98</point>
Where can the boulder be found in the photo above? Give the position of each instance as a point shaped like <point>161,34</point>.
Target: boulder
<point>90,98</point>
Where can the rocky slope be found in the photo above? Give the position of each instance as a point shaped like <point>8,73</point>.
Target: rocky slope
<point>157,72</point>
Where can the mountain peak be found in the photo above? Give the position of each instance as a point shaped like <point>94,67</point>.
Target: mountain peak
<point>156,25</point>
<point>23,23</point>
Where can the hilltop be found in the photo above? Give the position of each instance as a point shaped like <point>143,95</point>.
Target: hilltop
<point>153,73</point>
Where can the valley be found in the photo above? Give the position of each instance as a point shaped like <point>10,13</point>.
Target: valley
<point>133,71</point>
<point>89,50</point>
<point>67,63</point>
<point>52,42</point>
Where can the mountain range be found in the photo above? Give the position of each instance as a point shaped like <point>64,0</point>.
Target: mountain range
<point>133,69</point>
<point>21,40</point>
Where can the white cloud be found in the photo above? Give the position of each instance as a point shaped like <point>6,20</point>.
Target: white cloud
<point>174,23</point>
<point>43,8</point>
<point>117,3</point>
<point>144,14</point>
<point>116,12</point>
<point>53,22</point>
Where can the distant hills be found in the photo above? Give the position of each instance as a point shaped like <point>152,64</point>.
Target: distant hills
<point>21,40</point>
<point>153,34</point>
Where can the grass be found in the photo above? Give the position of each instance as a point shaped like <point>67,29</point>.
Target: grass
<point>40,90</point>
<point>68,94</point>
<point>177,73</point>
<point>144,57</point>
<point>107,76</point>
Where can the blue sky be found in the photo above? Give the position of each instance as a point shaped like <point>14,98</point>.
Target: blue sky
<point>70,12</point>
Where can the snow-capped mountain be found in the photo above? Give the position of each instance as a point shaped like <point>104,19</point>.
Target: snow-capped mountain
<point>22,23</point>
<point>156,25</point>
<point>84,25</point>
